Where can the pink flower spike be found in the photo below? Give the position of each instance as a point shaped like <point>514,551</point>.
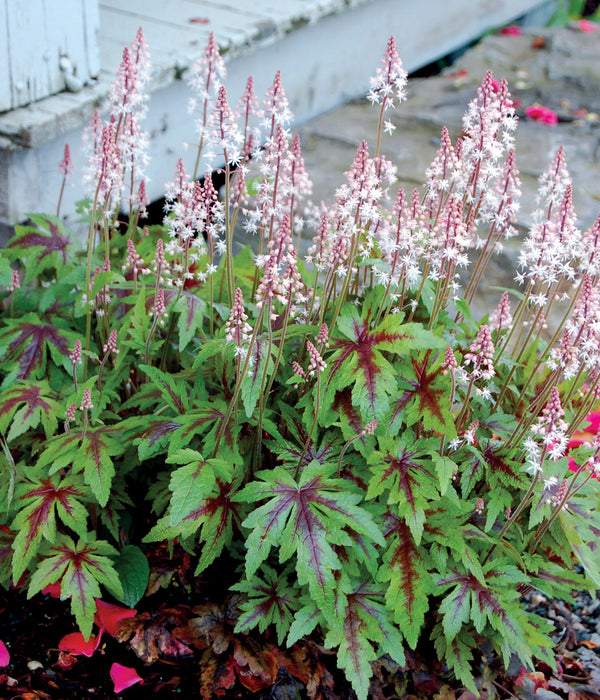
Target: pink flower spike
<point>584,25</point>
<point>108,616</point>
<point>541,113</point>
<point>4,655</point>
<point>123,677</point>
<point>76,644</point>
<point>66,164</point>
<point>511,30</point>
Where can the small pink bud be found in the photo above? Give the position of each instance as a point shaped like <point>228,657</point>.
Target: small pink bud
<point>75,356</point>
<point>86,402</point>
<point>298,369</point>
<point>111,344</point>
<point>316,363</point>
<point>16,281</point>
<point>323,335</point>
<point>70,414</point>
<point>370,428</point>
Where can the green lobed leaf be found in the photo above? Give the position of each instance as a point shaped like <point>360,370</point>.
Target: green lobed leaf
<point>304,518</point>
<point>81,567</point>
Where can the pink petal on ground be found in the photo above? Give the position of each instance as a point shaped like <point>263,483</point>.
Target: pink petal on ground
<point>584,25</point>
<point>511,30</point>
<point>76,644</point>
<point>108,615</point>
<point>541,113</point>
<point>123,677</point>
<point>52,589</point>
<point>4,655</point>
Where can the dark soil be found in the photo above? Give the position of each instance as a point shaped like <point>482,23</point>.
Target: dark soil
<point>178,658</point>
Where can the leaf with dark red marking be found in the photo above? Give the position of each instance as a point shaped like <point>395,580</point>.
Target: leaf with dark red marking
<point>94,458</point>
<point>359,359</point>
<point>205,507</point>
<point>174,391</point>
<point>41,499</point>
<point>151,435</point>
<point>40,246</point>
<point>306,518</point>
<point>362,632</point>
<point>425,397</point>
<point>6,552</point>
<point>400,472</point>
<point>493,600</point>
<point>409,584</point>
<point>81,567</point>
<point>25,342</point>
<point>270,601</point>
<point>24,406</point>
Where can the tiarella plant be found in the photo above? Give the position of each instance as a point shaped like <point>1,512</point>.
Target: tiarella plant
<point>383,470</point>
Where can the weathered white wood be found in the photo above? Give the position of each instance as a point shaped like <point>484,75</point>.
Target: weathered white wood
<point>325,49</point>
<point>37,38</point>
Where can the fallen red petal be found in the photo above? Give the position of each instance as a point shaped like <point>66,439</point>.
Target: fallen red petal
<point>52,589</point>
<point>108,616</point>
<point>123,677</point>
<point>76,644</point>
<point>584,25</point>
<point>512,30</point>
<point>4,655</point>
<point>541,113</point>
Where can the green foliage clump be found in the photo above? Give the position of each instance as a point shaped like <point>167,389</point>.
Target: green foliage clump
<point>385,470</point>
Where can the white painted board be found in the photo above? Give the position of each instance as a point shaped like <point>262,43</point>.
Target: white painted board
<point>34,36</point>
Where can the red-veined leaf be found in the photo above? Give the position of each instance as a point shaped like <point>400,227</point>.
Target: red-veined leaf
<point>94,457</point>
<point>399,472</point>
<point>270,601</point>
<point>359,359</point>
<point>82,567</point>
<point>40,500</point>
<point>305,518</point>
<point>24,406</point>
<point>212,519</point>
<point>426,398</point>
<point>26,340</point>
<point>362,632</point>
<point>409,582</point>
<point>41,246</point>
